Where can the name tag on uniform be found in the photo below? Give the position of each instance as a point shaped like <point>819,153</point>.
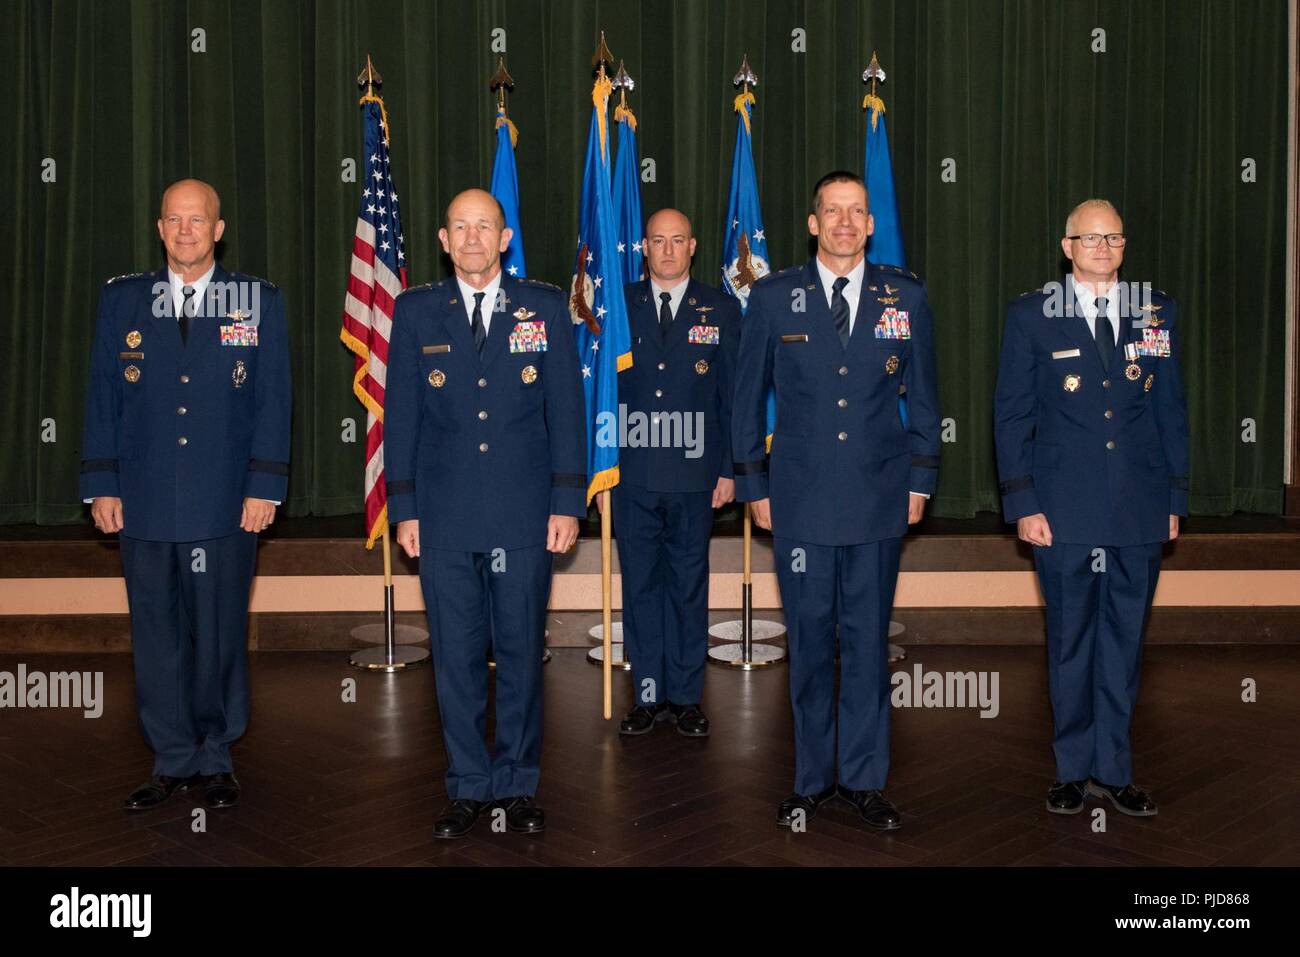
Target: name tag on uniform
<point>893,324</point>
<point>1155,342</point>
<point>239,334</point>
<point>528,337</point>
<point>434,350</point>
<point>703,336</point>
<point>130,355</point>
<point>1066,354</point>
<point>797,337</point>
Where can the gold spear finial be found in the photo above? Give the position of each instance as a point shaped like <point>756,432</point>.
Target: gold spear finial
<point>602,59</point>
<point>745,77</point>
<point>624,83</point>
<point>369,79</point>
<point>500,82</point>
<point>873,72</point>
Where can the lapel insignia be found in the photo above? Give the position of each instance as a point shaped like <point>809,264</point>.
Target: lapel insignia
<point>691,301</point>
<point>1072,383</point>
<point>873,288</point>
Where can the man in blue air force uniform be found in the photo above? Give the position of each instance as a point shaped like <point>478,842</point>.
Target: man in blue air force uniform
<point>186,455</point>
<point>840,338</point>
<point>1092,448</point>
<point>485,453</point>
<point>685,336</point>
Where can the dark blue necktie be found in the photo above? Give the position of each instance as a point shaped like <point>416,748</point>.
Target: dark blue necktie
<point>1101,332</point>
<point>188,306</point>
<point>665,314</point>
<point>480,334</point>
<point>840,310</point>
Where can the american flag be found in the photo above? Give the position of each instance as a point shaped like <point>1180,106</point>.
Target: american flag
<point>378,274</point>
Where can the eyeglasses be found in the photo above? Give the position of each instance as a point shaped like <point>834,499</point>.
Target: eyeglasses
<point>1093,240</point>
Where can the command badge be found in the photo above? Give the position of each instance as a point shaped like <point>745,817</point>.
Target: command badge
<point>1072,383</point>
<point>528,374</point>
<point>240,374</point>
<point>437,378</point>
<point>1133,371</point>
<point>891,364</point>
<point>132,373</point>
<point>702,366</point>
<point>132,338</point>
<point>1146,386</point>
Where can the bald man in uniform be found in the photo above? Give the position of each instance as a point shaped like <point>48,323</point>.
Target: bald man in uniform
<point>185,458</point>
<point>485,453</point>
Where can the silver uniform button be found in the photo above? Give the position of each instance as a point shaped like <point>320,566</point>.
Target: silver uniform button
<point>1110,444</point>
<point>844,370</point>
<point>843,403</point>
<point>482,414</point>
<point>482,383</point>
<point>1105,383</point>
<point>182,441</point>
<point>843,436</point>
<point>1110,414</point>
<point>662,366</point>
<point>185,379</point>
<point>483,447</point>
<point>182,410</point>
<point>659,393</point>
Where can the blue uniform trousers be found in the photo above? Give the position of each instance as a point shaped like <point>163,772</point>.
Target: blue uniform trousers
<point>189,638</point>
<point>1096,620</point>
<point>663,555</point>
<point>854,584</point>
<point>475,600</point>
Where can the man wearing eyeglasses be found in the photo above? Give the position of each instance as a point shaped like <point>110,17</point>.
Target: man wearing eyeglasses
<point>1092,445</point>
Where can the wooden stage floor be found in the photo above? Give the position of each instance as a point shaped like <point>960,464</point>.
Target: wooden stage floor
<point>332,783</point>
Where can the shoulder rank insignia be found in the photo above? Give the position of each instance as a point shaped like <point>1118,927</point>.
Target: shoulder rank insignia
<point>125,275</point>
<point>543,285</point>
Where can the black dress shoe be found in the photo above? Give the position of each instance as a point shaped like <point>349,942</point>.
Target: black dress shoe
<point>1066,798</point>
<point>874,808</point>
<point>522,815</point>
<point>220,790</point>
<point>156,790</point>
<point>642,718</point>
<point>807,803</point>
<point>690,720</point>
<point>458,818</point>
<point>1128,799</point>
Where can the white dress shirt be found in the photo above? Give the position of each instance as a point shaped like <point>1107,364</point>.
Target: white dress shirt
<point>675,295</point>
<point>467,293</point>
<point>200,286</point>
<point>852,292</point>
<point>1088,306</point>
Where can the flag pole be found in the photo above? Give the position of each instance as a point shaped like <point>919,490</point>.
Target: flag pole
<point>745,655</point>
<point>391,657</point>
<point>872,101</point>
<point>609,650</point>
<point>607,603</point>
